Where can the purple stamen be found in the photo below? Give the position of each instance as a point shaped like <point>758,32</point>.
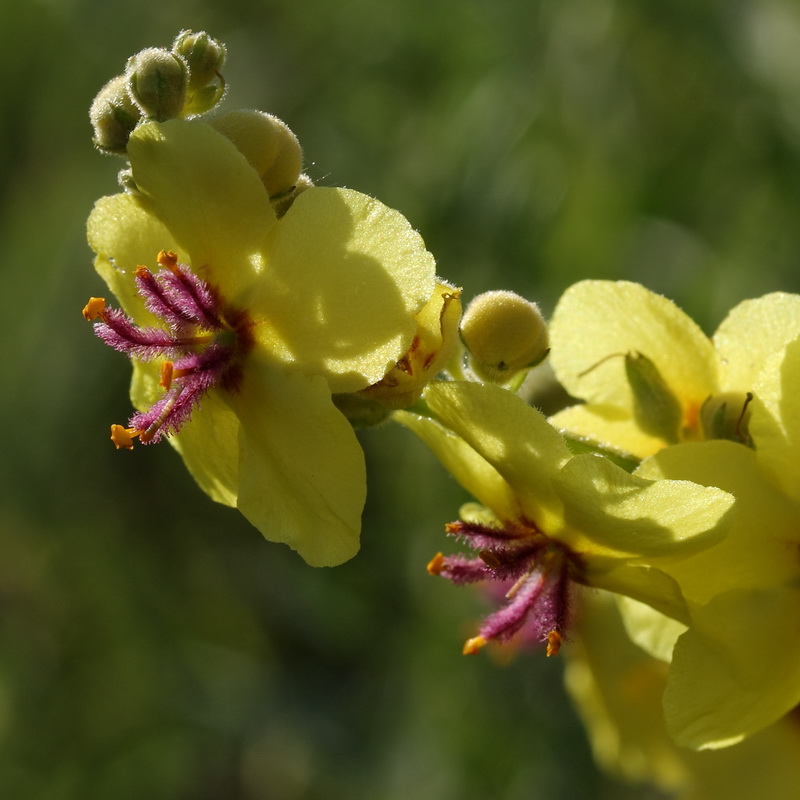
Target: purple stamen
<point>191,339</point>
<point>535,565</point>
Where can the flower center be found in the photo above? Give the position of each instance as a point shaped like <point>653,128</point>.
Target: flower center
<point>199,344</point>
<point>533,572</point>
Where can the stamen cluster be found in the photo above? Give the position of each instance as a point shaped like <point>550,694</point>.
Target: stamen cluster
<point>197,345</point>
<point>535,566</point>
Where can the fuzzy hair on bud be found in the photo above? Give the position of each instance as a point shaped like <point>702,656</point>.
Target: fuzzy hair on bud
<point>113,116</point>
<point>504,333</point>
<point>267,143</point>
<point>157,82</point>
<point>205,57</point>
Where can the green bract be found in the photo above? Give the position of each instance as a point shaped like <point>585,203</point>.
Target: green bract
<point>328,293</point>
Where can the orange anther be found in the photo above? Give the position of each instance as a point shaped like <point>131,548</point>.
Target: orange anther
<point>168,259</point>
<point>554,640</point>
<point>123,437</point>
<point>435,564</point>
<point>167,371</point>
<point>471,646</point>
<point>94,308</point>
<point>141,271</point>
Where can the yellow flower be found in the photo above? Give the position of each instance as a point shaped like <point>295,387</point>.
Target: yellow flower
<point>291,310</point>
<point>617,688</point>
<point>647,373</point>
<point>736,669</point>
<point>554,518</point>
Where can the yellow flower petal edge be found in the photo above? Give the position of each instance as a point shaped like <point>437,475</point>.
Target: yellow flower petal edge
<point>345,276</point>
<point>513,437</point>
<point>302,478</point>
<point>756,677</point>
<point>629,514</point>
<point>775,419</point>
<point>753,331</point>
<point>595,323</point>
<point>208,196</point>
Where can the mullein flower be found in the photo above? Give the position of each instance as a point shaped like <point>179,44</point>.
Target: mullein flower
<point>736,668</point>
<point>259,321</point>
<point>551,519</point>
<point>617,689</point>
<point>648,376</point>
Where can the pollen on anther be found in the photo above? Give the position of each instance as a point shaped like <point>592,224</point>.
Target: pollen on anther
<point>435,564</point>
<point>123,437</point>
<point>554,640</point>
<point>471,646</point>
<point>167,259</point>
<point>167,370</point>
<point>94,308</point>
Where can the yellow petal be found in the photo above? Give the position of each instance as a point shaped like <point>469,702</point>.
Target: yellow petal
<point>775,419</point>
<point>208,443</point>
<point>209,446</point>
<point>302,478</point>
<point>737,669</point>
<point>648,586</point>
<point>628,514</point>
<point>208,196</point>
<point>513,437</point>
<point>758,548</point>
<point>597,322</point>
<point>754,330</point>
<point>346,275</point>
<point>473,472</point>
<point>651,629</point>
<point>125,235</point>
<point>611,428</point>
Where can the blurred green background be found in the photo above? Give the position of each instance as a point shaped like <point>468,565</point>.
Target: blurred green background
<point>152,645</point>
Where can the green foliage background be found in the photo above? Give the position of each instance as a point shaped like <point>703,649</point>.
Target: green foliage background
<point>151,643</point>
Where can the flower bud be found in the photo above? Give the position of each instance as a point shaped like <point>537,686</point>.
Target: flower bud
<point>157,82</point>
<point>504,334</point>
<point>113,116</point>
<point>204,57</point>
<point>267,143</point>
<point>656,409</point>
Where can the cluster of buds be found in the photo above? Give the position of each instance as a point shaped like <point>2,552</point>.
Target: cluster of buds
<point>159,84</point>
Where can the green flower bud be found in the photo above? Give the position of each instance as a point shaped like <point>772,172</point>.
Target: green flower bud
<point>267,143</point>
<point>157,82</point>
<point>504,334</point>
<point>113,116</point>
<point>205,57</point>
<point>656,409</point>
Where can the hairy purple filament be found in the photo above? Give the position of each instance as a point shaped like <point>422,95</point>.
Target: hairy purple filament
<point>196,339</point>
<point>537,568</point>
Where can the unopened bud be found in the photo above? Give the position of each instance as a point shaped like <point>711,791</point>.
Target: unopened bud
<point>205,57</point>
<point>267,143</point>
<point>157,82</point>
<point>113,116</point>
<point>656,409</point>
<point>504,333</point>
